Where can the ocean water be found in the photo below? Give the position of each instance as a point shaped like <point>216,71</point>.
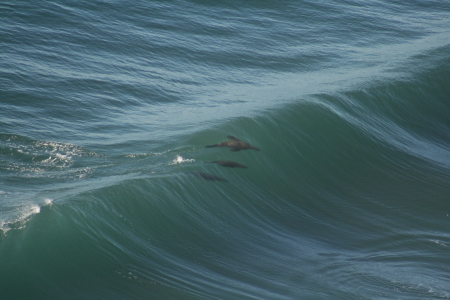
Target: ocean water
<point>105,111</point>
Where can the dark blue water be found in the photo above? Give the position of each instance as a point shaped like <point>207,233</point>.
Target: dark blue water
<point>107,190</point>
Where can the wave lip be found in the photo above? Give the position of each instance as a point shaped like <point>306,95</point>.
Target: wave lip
<point>18,216</point>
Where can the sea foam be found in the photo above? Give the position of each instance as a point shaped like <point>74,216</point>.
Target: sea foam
<point>179,159</point>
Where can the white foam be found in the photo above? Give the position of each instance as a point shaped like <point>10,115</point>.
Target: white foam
<point>48,202</point>
<point>179,160</point>
<point>49,160</point>
<point>22,214</point>
<point>19,220</point>
<point>33,209</point>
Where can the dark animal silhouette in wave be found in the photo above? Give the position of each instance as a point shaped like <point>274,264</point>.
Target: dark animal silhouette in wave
<point>235,144</point>
<point>228,164</point>
<point>207,176</point>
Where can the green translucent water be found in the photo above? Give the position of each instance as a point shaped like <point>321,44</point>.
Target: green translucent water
<point>106,109</point>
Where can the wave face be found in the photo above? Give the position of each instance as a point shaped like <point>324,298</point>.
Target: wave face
<point>107,190</point>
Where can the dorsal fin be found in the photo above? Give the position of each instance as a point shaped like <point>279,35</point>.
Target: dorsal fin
<point>233,138</point>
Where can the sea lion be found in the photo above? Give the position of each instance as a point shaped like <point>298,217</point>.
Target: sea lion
<point>235,144</point>
<point>228,164</point>
<point>207,176</point>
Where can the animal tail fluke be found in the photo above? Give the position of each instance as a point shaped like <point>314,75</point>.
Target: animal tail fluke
<point>211,146</point>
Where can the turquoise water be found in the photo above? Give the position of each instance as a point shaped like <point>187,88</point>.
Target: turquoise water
<point>105,111</point>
